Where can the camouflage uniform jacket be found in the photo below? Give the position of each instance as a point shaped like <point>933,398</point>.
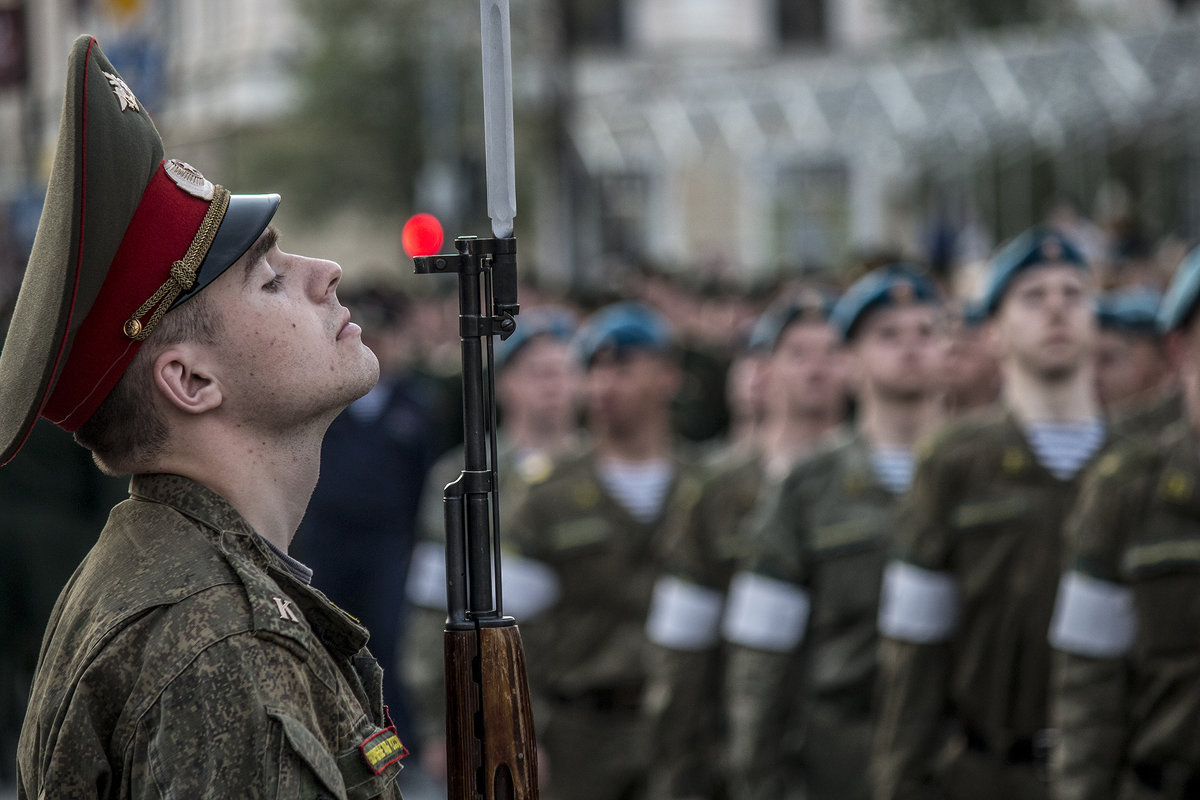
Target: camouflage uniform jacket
<point>800,706</point>
<point>423,642</point>
<point>1128,690</point>
<point>593,638</point>
<point>183,659</point>
<point>967,606</point>
<point>705,540</point>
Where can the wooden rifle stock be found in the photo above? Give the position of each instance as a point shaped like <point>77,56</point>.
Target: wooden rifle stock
<point>490,747</point>
<point>489,739</point>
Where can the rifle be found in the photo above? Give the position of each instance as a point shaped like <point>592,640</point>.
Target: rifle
<point>490,749</point>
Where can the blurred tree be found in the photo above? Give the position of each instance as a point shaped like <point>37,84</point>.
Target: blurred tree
<point>390,115</point>
<point>357,132</point>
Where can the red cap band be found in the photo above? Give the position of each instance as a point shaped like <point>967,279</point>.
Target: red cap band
<point>160,233</point>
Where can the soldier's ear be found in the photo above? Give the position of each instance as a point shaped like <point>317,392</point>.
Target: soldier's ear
<point>184,379</point>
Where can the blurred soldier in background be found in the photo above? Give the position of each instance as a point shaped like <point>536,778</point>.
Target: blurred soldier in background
<point>801,614</point>
<point>596,521</point>
<point>1127,622</point>
<point>1134,378</point>
<point>968,366</point>
<point>966,608</point>
<point>804,398</point>
<point>537,385</point>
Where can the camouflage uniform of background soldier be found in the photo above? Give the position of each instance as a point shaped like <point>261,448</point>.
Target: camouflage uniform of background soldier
<point>965,661</point>
<point>801,618</point>
<point>586,651</point>
<point>704,543</point>
<point>422,652</point>
<point>187,656</point>
<point>1127,622</point>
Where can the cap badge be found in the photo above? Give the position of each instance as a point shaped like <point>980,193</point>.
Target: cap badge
<point>902,294</point>
<point>810,304</point>
<point>1051,250</point>
<point>188,178</point>
<point>124,94</point>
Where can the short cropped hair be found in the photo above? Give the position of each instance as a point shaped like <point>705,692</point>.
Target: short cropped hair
<point>127,429</point>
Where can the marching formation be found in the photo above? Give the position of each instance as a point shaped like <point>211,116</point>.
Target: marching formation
<point>946,549</point>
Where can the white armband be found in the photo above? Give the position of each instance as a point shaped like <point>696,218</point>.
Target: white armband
<point>1093,617</point>
<point>765,613</point>
<point>426,585</point>
<point>917,605</point>
<point>530,587</point>
<point>684,615</point>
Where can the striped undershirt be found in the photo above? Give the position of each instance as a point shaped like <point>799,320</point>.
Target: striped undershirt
<point>640,488</point>
<point>893,467</point>
<point>1064,447</point>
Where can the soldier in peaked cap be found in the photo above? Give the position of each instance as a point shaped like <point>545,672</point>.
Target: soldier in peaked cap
<point>966,603</point>
<point>1127,689</point>
<point>159,320</point>
<point>799,624</point>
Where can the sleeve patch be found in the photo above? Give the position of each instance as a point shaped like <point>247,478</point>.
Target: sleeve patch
<point>918,605</point>
<point>765,613</point>
<point>1093,618</point>
<point>382,749</point>
<point>684,615</point>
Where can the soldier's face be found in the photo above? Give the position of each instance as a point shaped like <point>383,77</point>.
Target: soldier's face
<point>622,389</point>
<point>807,370</point>
<point>288,352</point>
<point>541,384</point>
<point>1184,348</point>
<point>896,351</point>
<point>1046,322</point>
<point>967,361</point>
<point>1127,367</point>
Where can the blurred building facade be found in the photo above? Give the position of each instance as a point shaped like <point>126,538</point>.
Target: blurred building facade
<point>736,136</point>
<point>757,135</point>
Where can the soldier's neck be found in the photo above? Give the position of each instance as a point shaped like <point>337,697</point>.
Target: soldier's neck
<point>1032,398</point>
<point>785,439</point>
<point>893,424</point>
<point>644,445</point>
<point>546,435</point>
<point>268,482</point>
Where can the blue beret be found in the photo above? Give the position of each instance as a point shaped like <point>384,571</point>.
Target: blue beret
<point>622,327</point>
<point>1132,310</point>
<point>809,305</point>
<point>556,323</point>
<point>886,287</point>
<point>1176,308</point>
<point>1040,245</point>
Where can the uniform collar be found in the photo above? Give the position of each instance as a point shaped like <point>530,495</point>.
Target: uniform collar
<point>191,499</point>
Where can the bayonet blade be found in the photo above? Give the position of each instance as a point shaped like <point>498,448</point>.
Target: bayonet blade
<point>498,116</point>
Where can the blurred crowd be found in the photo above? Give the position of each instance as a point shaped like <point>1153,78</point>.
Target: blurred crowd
<point>844,534</point>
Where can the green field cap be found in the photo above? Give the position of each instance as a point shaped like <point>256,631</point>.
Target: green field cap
<point>124,236</point>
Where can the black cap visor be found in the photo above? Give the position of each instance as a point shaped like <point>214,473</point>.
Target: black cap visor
<point>246,218</point>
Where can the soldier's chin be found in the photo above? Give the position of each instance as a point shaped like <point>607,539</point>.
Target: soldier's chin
<point>367,379</point>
